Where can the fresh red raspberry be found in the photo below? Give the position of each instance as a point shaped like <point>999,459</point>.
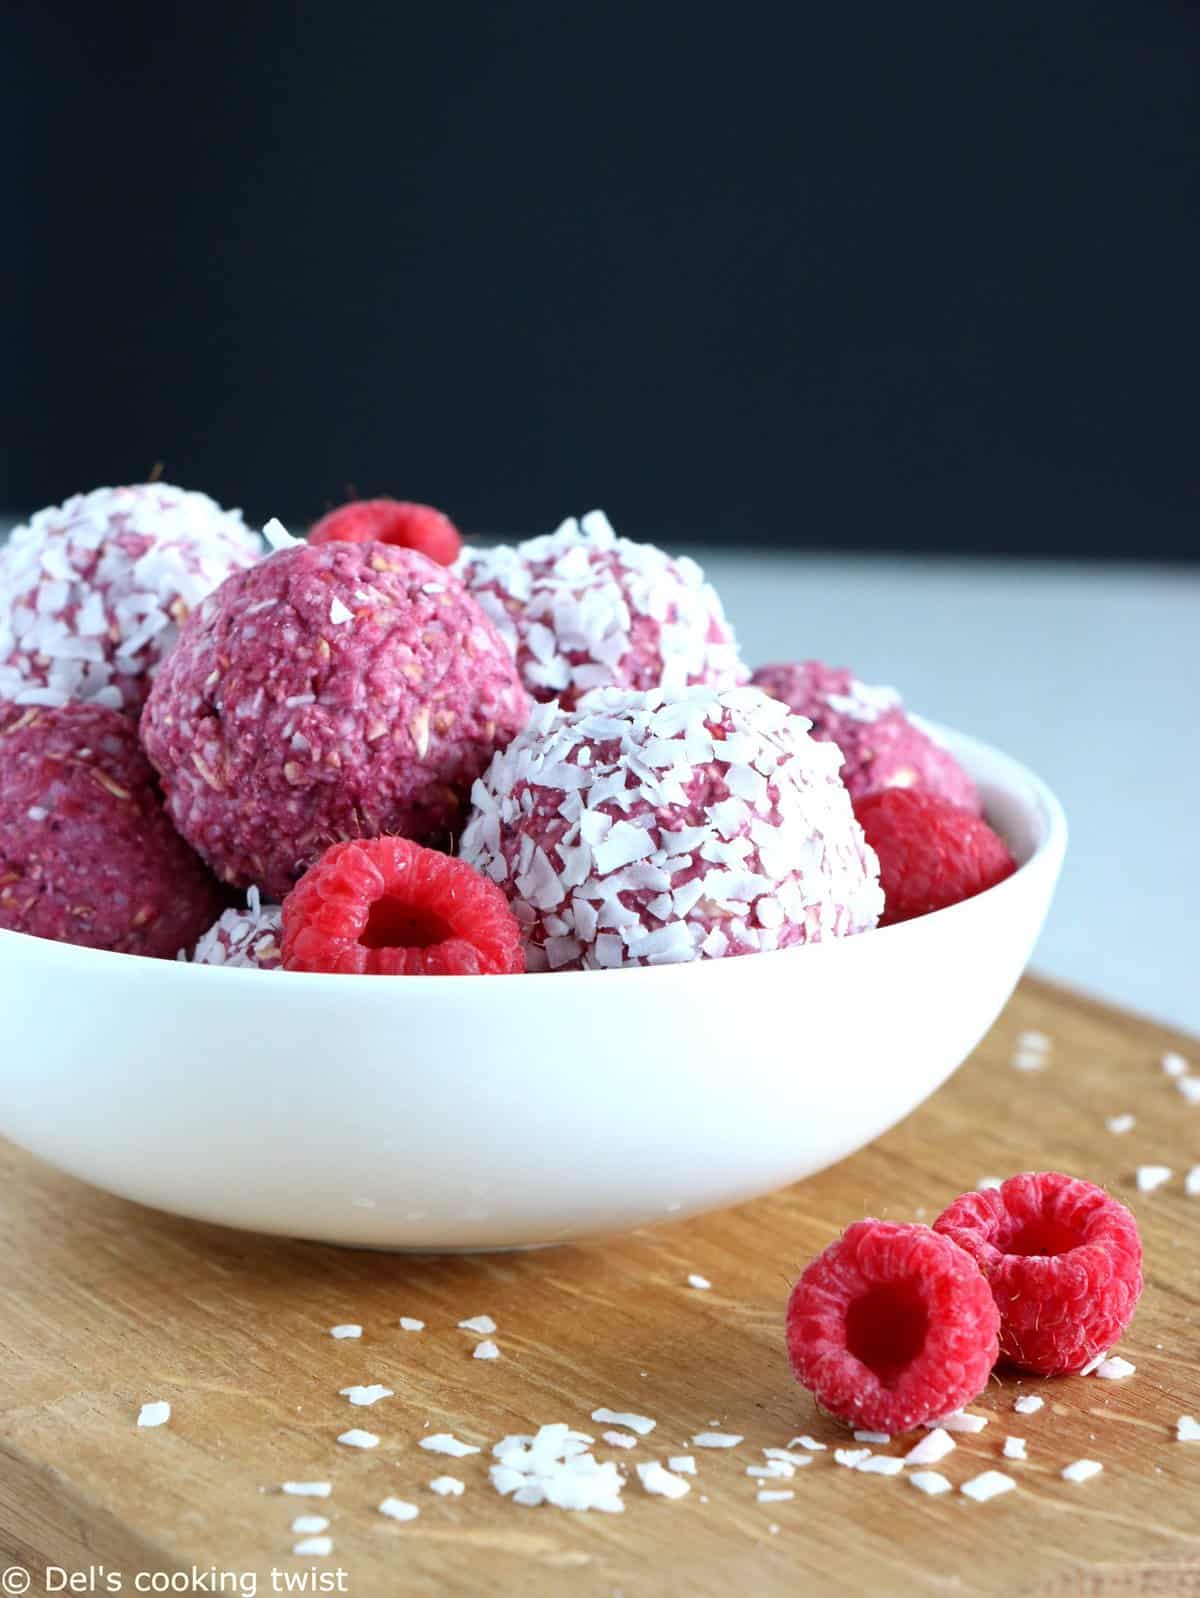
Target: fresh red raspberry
<point>931,853</point>
<point>387,907</point>
<point>1064,1260</point>
<point>390,521</point>
<point>890,1327</point>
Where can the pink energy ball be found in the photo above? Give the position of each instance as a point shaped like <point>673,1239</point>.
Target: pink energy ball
<point>646,829</point>
<point>334,692</point>
<point>583,609</point>
<point>93,592</point>
<point>881,747</point>
<point>249,937</point>
<point>87,853</point>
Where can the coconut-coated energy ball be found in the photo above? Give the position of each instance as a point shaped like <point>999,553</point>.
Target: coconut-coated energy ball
<point>247,937</point>
<point>643,829</point>
<point>334,692</point>
<point>87,852</point>
<point>583,609</point>
<point>882,747</point>
<point>93,592</point>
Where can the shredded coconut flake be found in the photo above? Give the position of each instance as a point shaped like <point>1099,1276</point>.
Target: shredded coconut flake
<point>641,1424</point>
<point>777,1495</point>
<point>313,1547</point>
<point>700,1283</point>
<point>656,1479</point>
<point>929,1481</point>
<point>365,1396</point>
<point>1114,1369</point>
<point>810,1443</point>
<point>989,1484</point>
<point>1014,1448</point>
<point>154,1414</point>
<point>342,1332</point>
<point>357,1438</point>
<point>447,1486</point>
<point>1191,1182</point>
<point>1082,1470</point>
<point>1028,1404</point>
<point>882,1465</point>
<point>935,1445</point>
<point>277,535</point>
<point>872,1437</point>
<point>851,1458</point>
<point>960,1421</point>
<point>619,1439</point>
<point>483,1324</point>
<point>1037,1041</point>
<point>1118,1125</point>
<point>716,1440</point>
<point>1174,1064</point>
<point>408,1324</point>
<point>397,1509</point>
<point>307,1489</point>
<point>486,1350</point>
<point>555,1467</point>
<point>1187,1429</point>
<point>985,1184</point>
<point>447,1443</point>
<point>1151,1177</point>
<point>1189,1086</point>
<point>339,614</point>
<point>309,1525</point>
<point>684,1464</point>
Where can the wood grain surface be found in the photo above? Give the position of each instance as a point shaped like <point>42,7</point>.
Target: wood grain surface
<point>104,1306</point>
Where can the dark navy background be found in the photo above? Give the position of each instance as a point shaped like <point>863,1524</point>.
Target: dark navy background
<point>875,275</point>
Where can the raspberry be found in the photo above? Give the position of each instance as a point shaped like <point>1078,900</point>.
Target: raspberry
<point>890,1326</point>
<point>1064,1260</point>
<point>387,907</point>
<point>931,853</point>
<point>390,521</point>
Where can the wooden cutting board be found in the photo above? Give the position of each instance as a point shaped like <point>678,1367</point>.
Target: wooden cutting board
<point>104,1305</point>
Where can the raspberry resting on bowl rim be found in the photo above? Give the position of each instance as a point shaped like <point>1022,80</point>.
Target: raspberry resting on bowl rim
<point>646,829</point>
<point>881,744</point>
<point>331,692</point>
<point>93,592</point>
<point>583,609</point>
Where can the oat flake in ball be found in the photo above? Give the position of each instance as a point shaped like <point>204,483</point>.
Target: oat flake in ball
<point>882,747</point>
<point>87,853</point>
<point>583,609</point>
<point>642,829</point>
<point>329,693</point>
<point>93,592</point>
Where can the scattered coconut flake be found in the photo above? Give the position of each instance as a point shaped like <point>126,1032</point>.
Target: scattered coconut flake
<point>314,1547</point>
<point>655,1478</point>
<point>307,1489</point>
<point>447,1443</point>
<point>1029,1060</point>
<point>986,1183</point>
<point>408,1324</point>
<point>486,1350</point>
<point>277,535</point>
<point>872,1437</point>
<point>882,1465</point>
<point>1152,1176</point>
<point>1174,1064</point>
<point>989,1484</point>
<point>933,1446</point>
<point>397,1509</point>
<point>1191,1182</point>
<point>959,1421</point>
<point>1115,1368</point>
<point>716,1440</point>
<point>357,1438</point>
<point>1119,1124</point>
<point>1082,1470</point>
<point>1014,1448</point>
<point>776,1495</point>
<point>155,1414</point>
<point>1094,1363</point>
<point>309,1525</point>
<point>339,614</point>
<point>1189,1086</point>
<point>852,1458</point>
<point>1028,1404</point>
<point>684,1464</point>
<point>620,1439</point>
<point>641,1424</point>
<point>447,1486</point>
<point>772,1469</point>
<point>1038,1041</point>
<point>365,1396</point>
<point>483,1324</point>
<point>348,1330</point>
<point>1187,1430</point>
<point>700,1283</point>
<point>786,1455</point>
<point>555,1467</point>
<point>929,1481</point>
<point>810,1443</point>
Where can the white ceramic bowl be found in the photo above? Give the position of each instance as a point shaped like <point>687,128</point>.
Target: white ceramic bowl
<point>489,1112</point>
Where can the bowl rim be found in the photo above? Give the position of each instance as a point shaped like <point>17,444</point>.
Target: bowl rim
<point>1035,795</point>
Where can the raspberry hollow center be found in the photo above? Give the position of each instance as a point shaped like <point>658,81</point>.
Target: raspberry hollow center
<point>393,924</point>
<point>886,1329</point>
<point>1044,1235</point>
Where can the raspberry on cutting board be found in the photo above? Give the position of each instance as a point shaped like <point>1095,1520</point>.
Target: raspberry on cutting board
<point>387,907</point>
<point>1064,1260</point>
<point>391,521</point>
<point>932,853</point>
<point>890,1327</point>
